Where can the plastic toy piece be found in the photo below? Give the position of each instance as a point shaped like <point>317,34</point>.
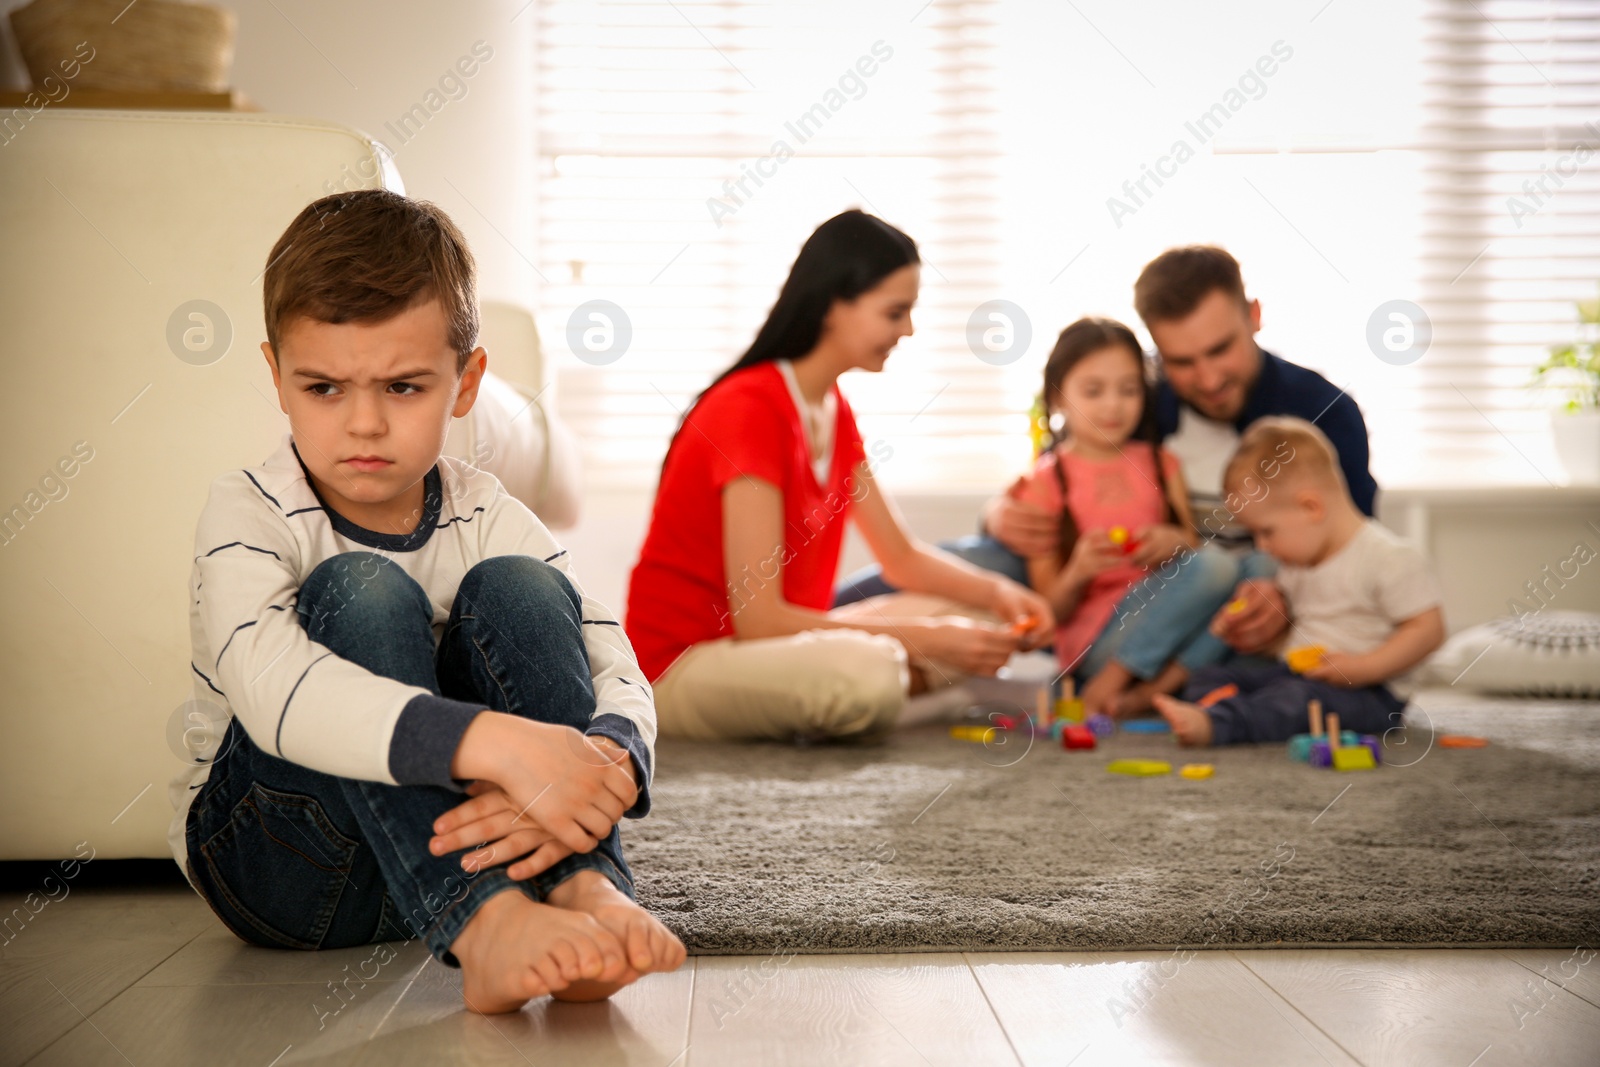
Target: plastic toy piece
<point>1356,758</point>
<point>1123,539</point>
<point>1146,726</point>
<point>1197,771</point>
<point>1221,692</point>
<point>1304,658</point>
<point>1300,744</point>
<point>1077,737</point>
<point>1069,709</point>
<point>1321,755</point>
<point>1139,768</point>
<point>1101,725</point>
<point>984,734</point>
<point>1374,745</point>
<point>1344,757</point>
<point>1023,625</point>
<point>1461,741</point>
<point>1056,729</point>
<point>1005,722</point>
<point>1236,606</point>
<point>1041,709</point>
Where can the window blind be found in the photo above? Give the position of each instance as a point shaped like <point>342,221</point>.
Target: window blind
<point>686,150</point>
<point>1511,224</point>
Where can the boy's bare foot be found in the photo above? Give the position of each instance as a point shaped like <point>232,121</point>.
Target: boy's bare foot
<point>1101,694</point>
<point>1190,724</point>
<point>514,949</point>
<point>649,945</point>
<point>1139,698</point>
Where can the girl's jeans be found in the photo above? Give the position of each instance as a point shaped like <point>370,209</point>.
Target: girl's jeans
<point>1168,615</point>
<point>289,857</point>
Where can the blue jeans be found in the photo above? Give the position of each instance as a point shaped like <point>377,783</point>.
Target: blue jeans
<point>1167,616</point>
<point>1272,704</point>
<point>289,857</point>
<point>1191,587</point>
<point>980,550</point>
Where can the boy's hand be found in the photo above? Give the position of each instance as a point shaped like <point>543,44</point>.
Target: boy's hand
<point>1344,670</point>
<point>490,822</point>
<point>1256,625</point>
<point>551,774</point>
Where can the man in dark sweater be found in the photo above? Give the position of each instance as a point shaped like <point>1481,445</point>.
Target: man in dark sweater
<point>1214,381</point>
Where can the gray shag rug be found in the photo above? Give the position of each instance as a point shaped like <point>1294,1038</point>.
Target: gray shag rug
<point>927,843</point>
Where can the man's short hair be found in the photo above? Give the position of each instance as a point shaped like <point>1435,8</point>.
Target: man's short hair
<point>1173,284</point>
<point>366,256</point>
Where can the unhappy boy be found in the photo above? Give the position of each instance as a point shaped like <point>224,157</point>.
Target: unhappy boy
<point>382,630</point>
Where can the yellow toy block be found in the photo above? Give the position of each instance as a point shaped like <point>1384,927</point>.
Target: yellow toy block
<point>1118,535</point>
<point>1304,658</point>
<point>1197,771</point>
<point>974,733</point>
<point>1353,758</point>
<point>1139,768</point>
<point>1070,710</point>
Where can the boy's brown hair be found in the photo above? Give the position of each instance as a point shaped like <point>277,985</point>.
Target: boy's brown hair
<point>1174,283</point>
<point>1282,451</point>
<point>366,256</point>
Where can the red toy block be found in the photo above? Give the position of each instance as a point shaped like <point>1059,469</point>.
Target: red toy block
<point>1077,737</point>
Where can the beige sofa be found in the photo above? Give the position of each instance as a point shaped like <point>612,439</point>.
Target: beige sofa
<point>119,408</point>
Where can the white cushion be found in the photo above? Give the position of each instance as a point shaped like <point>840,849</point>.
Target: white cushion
<point>1547,653</point>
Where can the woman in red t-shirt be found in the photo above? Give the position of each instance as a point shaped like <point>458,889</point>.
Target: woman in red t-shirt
<point>728,604</point>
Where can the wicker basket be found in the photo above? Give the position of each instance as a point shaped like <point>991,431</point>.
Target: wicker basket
<point>151,45</point>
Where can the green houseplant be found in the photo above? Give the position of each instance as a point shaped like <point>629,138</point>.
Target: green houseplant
<point>1575,367</point>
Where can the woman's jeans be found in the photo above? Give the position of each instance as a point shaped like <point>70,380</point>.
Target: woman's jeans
<point>289,857</point>
<point>1165,617</point>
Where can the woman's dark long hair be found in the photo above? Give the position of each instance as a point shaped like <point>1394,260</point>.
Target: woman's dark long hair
<point>843,258</point>
<point>1083,338</point>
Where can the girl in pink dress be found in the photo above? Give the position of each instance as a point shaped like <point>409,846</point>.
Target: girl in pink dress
<point>1121,497</point>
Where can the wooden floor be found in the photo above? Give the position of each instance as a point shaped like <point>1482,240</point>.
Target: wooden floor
<point>147,975</point>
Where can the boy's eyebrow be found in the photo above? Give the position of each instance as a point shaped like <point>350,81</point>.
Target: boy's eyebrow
<point>423,372</point>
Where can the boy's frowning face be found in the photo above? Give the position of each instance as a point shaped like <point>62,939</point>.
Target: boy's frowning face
<point>380,389</point>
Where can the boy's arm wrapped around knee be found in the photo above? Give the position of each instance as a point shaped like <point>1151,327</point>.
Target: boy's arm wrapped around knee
<point>625,711</point>
<point>295,697</point>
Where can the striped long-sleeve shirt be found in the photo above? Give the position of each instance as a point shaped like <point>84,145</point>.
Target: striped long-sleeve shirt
<point>262,532</point>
